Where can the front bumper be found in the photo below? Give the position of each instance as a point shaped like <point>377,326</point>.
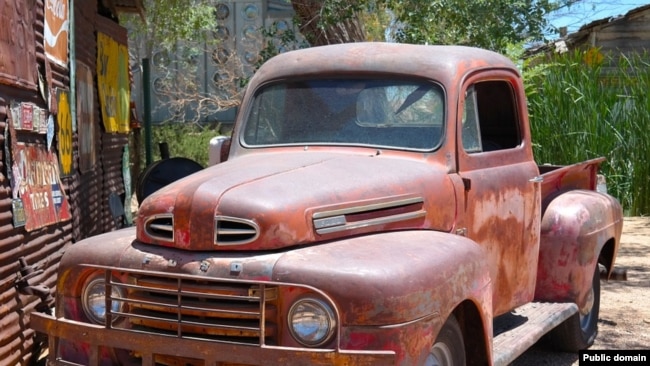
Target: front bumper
<point>148,346</point>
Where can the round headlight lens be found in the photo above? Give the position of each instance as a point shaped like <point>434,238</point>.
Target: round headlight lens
<point>93,300</point>
<point>311,322</point>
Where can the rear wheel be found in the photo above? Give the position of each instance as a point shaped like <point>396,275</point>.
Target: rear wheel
<point>449,348</point>
<point>579,331</point>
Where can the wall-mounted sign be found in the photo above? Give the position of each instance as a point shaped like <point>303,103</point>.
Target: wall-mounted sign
<point>86,118</point>
<point>18,212</point>
<point>28,117</point>
<point>56,31</point>
<point>36,174</point>
<point>113,83</point>
<point>64,136</point>
<point>17,45</point>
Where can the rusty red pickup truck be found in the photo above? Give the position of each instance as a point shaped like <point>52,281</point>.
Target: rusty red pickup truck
<point>376,204</point>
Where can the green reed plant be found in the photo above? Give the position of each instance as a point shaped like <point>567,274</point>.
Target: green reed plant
<point>584,105</point>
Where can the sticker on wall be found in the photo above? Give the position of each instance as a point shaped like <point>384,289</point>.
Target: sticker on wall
<point>16,180</point>
<point>27,117</point>
<point>18,212</point>
<point>15,115</point>
<point>50,132</point>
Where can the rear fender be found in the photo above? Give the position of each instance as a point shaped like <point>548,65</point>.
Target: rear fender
<point>576,225</point>
<point>391,279</point>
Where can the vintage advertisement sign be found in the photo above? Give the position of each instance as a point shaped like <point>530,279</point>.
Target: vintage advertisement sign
<point>86,118</point>
<point>113,83</point>
<point>64,136</point>
<point>17,45</point>
<point>56,31</point>
<point>36,175</point>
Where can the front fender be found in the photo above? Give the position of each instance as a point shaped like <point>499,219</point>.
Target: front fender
<point>575,227</point>
<point>394,277</point>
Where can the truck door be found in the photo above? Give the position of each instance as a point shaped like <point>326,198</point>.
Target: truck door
<point>500,207</point>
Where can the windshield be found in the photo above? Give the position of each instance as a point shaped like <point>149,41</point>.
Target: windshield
<point>382,113</point>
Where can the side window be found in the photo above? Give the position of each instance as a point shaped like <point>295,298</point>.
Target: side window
<point>492,103</point>
<point>471,133</point>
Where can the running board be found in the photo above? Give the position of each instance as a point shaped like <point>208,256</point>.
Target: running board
<point>520,329</point>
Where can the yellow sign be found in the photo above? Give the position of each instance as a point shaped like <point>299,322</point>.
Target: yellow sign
<point>64,120</point>
<point>113,83</point>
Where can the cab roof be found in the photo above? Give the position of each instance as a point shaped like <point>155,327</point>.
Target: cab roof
<point>445,64</point>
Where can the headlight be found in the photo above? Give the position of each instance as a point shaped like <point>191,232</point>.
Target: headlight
<point>311,322</point>
<point>93,300</point>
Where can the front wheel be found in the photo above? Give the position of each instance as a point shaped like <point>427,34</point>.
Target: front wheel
<point>579,331</point>
<point>449,348</point>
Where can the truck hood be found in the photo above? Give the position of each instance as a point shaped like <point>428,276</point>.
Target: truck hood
<point>274,200</point>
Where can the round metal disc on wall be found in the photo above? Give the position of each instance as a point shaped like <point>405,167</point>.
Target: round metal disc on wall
<point>162,173</point>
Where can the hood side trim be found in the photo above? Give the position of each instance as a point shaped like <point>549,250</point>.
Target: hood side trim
<point>326,222</point>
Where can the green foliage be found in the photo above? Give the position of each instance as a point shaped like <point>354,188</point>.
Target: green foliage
<point>278,40</point>
<point>186,140</point>
<point>176,36</point>
<point>335,11</point>
<point>490,24</point>
<point>171,22</point>
<point>376,20</point>
<point>581,107</point>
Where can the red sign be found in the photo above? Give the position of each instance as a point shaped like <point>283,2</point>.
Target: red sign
<point>27,122</point>
<point>36,172</point>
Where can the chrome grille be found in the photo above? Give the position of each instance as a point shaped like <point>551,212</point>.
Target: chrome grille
<point>210,309</point>
<point>234,231</point>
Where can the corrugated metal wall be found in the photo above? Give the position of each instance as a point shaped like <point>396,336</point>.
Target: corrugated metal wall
<point>87,192</point>
<point>90,189</point>
<point>112,145</point>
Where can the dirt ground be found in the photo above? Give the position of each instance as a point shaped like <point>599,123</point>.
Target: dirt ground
<point>624,320</point>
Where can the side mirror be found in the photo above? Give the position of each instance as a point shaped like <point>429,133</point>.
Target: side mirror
<point>219,149</point>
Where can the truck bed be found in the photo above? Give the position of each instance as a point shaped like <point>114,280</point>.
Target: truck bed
<point>560,178</point>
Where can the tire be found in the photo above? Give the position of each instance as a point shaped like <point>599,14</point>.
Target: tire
<point>579,331</point>
<point>449,347</point>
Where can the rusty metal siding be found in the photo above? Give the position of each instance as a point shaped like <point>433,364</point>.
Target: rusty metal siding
<point>42,247</point>
<point>112,150</point>
<point>112,144</point>
<point>86,198</point>
<point>87,192</point>
<point>91,189</point>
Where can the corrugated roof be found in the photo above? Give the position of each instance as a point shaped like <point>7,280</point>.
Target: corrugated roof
<point>600,23</point>
<point>585,30</point>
